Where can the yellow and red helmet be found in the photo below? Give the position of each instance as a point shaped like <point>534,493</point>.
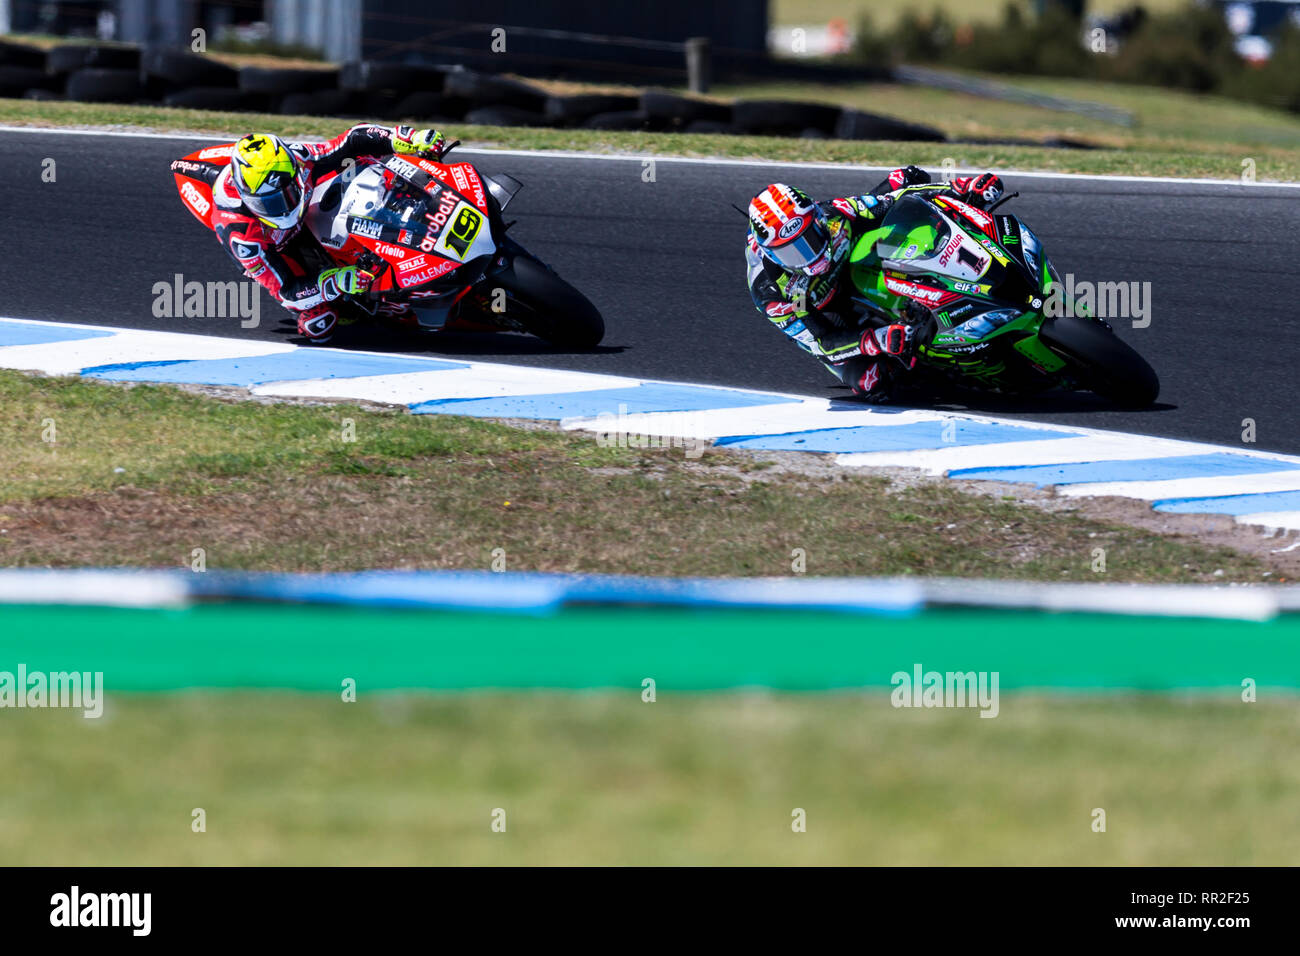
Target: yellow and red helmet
<point>270,180</point>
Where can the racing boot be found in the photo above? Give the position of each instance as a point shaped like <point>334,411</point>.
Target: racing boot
<point>317,324</point>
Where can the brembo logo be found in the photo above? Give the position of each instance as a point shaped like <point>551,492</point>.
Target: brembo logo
<point>195,198</point>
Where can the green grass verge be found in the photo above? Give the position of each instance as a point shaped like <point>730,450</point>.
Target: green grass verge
<point>885,15</point>
<point>142,475</point>
<point>1174,133</point>
<point>1263,135</point>
<point>607,779</point>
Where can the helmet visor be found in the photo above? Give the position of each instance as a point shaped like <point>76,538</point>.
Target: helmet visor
<point>804,249</point>
<point>277,205</point>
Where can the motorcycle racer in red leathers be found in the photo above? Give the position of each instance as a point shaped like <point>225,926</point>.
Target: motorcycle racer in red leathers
<point>795,252</point>
<point>262,196</point>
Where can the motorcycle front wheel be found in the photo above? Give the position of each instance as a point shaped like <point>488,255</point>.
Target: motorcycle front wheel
<point>1101,361</point>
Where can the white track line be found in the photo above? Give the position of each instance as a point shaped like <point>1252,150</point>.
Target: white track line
<point>1051,451</point>
<point>476,381</point>
<point>694,160</point>
<point>1286,520</point>
<point>132,345</point>
<point>809,414</point>
<point>1217,486</point>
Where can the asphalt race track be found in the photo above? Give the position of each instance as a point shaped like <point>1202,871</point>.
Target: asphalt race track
<point>663,260</point>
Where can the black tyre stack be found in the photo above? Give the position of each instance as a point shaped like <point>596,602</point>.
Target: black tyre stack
<point>434,95</point>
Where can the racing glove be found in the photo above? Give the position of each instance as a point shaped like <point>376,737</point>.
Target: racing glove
<point>908,176</point>
<point>897,341</point>
<point>348,280</point>
<point>980,190</point>
<point>419,142</point>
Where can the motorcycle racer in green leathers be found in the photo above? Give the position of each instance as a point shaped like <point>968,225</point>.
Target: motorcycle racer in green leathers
<point>795,252</point>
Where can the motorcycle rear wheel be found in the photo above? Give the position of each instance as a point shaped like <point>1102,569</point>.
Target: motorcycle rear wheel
<point>1101,361</point>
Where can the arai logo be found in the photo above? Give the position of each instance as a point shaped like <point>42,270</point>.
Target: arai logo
<point>791,228</point>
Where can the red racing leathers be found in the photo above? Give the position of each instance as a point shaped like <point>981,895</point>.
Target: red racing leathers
<point>287,262</point>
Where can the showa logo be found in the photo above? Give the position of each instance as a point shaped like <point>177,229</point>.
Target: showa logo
<point>73,689</point>
<point>614,431</point>
<point>179,299</point>
<point>1102,300</point>
<point>946,689</point>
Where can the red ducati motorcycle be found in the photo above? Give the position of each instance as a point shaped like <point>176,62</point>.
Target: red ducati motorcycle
<point>432,235</point>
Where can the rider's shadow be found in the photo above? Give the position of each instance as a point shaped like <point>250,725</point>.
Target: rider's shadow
<point>957,399</point>
<point>368,338</point>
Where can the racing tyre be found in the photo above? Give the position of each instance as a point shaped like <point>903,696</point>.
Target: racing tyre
<point>571,110</point>
<point>556,311</point>
<point>180,69</point>
<point>15,79</point>
<point>484,90</point>
<point>504,116</point>
<point>254,79</point>
<point>779,118</point>
<point>94,85</point>
<point>1102,361</point>
<point>85,56</point>
<point>20,54</point>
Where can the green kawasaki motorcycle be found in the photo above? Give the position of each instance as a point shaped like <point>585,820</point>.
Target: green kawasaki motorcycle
<point>1001,319</point>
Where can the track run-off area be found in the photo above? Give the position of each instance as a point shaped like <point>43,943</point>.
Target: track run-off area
<point>658,247</point>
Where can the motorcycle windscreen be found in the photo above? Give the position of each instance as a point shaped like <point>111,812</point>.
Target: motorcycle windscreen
<point>913,230</point>
<point>918,238</point>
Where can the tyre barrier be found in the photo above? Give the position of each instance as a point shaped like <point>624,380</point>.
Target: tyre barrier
<point>117,73</point>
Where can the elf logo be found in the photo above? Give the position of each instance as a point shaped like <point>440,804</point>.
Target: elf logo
<point>74,908</point>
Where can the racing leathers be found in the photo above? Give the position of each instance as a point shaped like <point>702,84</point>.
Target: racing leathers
<point>290,263</point>
<point>868,351</point>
